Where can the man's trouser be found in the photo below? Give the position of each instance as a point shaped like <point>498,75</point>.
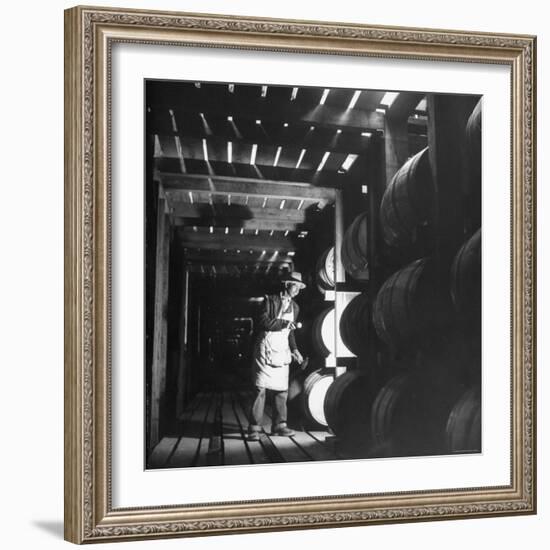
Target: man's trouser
<point>279,409</point>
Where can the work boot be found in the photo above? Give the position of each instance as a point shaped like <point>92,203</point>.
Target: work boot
<point>282,430</point>
<point>254,433</point>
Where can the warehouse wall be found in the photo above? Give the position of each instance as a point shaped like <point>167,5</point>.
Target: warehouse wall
<point>31,208</point>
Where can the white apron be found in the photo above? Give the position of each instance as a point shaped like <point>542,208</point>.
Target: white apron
<point>272,356</point>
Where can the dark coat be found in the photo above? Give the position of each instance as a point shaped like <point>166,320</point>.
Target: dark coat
<point>267,318</point>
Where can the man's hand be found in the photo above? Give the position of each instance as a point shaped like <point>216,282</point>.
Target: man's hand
<point>290,325</point>
<point>297,356</point>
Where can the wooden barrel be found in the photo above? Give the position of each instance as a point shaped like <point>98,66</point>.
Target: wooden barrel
<point>407,201</point>
<point>409,414</point>
<point>354,324</point>
<point>316,386</point>
<point>466,277</point>
<point>410,307</point>
<point>385,409</point>
<point>464,424</point>
<point>472,183</point>
<point>473,135</point>
<point>324,270</point>
<point>347,407</point>
<point>322,333</point>
<point>354,248</point>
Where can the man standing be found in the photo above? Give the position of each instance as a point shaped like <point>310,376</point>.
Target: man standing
<point>274,349</point>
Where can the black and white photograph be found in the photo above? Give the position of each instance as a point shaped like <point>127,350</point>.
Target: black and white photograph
<point>313,274</point>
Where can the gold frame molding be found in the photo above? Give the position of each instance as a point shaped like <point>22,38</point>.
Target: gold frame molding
<point>89,35</point>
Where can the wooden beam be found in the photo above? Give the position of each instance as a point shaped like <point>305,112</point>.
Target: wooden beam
<point>160,336</point>
<point>206,257</point>
<point>243,186</point>
<point>234,268</point>
<point>320,139</point>
<point>323,178</point>
<point>246,225</point>
<point>236,242</point>
<point>223,214</point>
<point>295,113</point>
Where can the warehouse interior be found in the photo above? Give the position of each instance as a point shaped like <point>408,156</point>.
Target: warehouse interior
<point>374,196</point>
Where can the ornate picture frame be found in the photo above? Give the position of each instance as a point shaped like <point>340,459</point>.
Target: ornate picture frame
<point>90,35</point>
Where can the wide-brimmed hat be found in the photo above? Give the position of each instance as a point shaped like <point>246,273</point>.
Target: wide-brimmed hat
<point>295,278</point>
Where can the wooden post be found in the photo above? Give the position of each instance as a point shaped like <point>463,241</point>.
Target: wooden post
<point>160,335</point>
<point>396,131</point>
<point>447,122</point>
<point>339,273</point>
<point>183,390</point>
<point>396,144</point>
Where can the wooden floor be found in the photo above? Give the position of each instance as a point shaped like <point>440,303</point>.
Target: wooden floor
<point>212,432</point>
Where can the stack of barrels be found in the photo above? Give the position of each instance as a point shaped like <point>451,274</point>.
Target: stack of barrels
<point>423,313</point>
<point>420,397</point>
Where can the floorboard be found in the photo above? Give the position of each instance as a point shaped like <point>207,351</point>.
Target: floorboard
<point>234,447</point>
<point>193,426</point>
<point>213,431</point>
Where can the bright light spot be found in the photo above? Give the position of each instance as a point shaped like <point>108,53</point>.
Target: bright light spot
<point>231,88</point>
<point>323,161</point>
<point>285,124</point>
<point>422,105</point>
<point>211,229</point>
<point>301,157</point>
<point>350,159</point>
<point>300,205</point>
<point>287,232</point>
<point>258,121</point>
<point>339,131</point>
<point>241,231</point>
<point>282,204</point>
<point>293,94</point>
<point>389,98</point>
<point>271,233</point>
<point>229,151</point>
<point>173,120</point>
<point>264,91</point>
<point>291,253</point>
<point>354,99</point>
<point>366,134</point>
<point>229,118</point>
<point>256,232</point>
<point>190,197</point>
<point>364,189</point>
<point>381,111</point>
<point>226,230</point>
<point>253,154</point>
<point>326,91</point>
<point>311,128</point>
<point>277,155</point>
<point>197,84</point>
<point>265,202</point>
<point>205,150</point>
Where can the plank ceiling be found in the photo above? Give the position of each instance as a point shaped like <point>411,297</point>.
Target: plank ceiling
<point>247,169</point>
